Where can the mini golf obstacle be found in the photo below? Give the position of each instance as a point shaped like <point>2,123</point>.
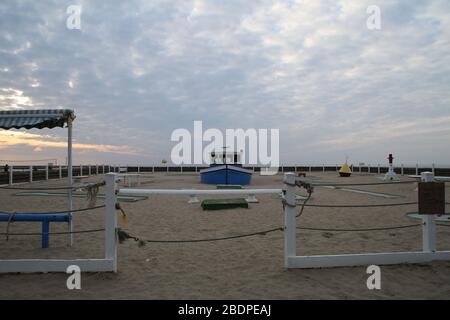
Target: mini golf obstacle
<point>45,219</point>
<point>345,170</point>
<point>442,218</point>
<point>220,204</point>
<point>120,197</point>
<point>391,175</point>
<point>367,192</point>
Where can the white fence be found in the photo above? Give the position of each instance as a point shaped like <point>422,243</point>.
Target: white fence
<point>108,263</point>
<point>292,260</point>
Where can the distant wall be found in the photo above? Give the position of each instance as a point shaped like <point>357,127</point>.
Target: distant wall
<point>22,173</point>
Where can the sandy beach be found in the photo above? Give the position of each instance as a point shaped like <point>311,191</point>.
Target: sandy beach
<point>244,268</point>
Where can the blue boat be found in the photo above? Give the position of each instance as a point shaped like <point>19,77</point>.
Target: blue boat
<point>226,169</point>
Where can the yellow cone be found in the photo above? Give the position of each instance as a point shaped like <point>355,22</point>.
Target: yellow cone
<point>345,170</point>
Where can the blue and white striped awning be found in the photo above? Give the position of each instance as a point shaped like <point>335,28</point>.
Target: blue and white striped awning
<point>39,119</point>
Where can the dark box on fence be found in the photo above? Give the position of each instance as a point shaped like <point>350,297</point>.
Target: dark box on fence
<point>431,198</point>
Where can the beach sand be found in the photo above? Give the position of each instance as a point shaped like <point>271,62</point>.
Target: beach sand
<point>245,268</point>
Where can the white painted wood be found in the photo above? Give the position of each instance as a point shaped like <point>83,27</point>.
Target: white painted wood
<point>199,191</point>
<point>108,264</point>
<point>345,260</point>
<point>70,175</point>
<point>111,220</point>
<point>428,221</point>
<point>289,219</point>
<point>41,265</point>
<point>251,198</point>
<point>193,199</point>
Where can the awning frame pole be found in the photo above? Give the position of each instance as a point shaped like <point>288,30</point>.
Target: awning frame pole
<point>69,175</point>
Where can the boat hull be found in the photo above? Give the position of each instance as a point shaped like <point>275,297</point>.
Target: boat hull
<point>226,174</point>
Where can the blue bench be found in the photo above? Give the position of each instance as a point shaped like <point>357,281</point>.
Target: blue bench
<point>44,218</point>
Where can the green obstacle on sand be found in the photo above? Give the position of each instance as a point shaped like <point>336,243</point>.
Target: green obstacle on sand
<point>416,215</point>
<point>219,204</point>
<point>120,197</point>
<point>367,192</point>
<point>228,186</point>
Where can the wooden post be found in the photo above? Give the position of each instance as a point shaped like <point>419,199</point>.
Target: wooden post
<point>402,170</point>
<point>111,220</point>
<point>31,174</point>
<point>60,171</point>
<point>433,169</point>
<point>417,169</point>
<point>289,219</point>
<point>46,172</point>
<point>379,170</point>
<point>81,169</point>
<point>89,170</point>
<point>428,222</point>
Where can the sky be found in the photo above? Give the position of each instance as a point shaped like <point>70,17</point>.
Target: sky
<point>136,71</point>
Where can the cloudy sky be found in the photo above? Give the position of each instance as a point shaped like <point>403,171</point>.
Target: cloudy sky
<point>137,70</point>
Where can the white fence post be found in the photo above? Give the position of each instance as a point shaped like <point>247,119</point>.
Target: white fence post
<point>428,222</point>
<point>46,172</point>
<point>111,220</point>
<point>31,173</point>
<point>289,219</point>
<point>11,172</point>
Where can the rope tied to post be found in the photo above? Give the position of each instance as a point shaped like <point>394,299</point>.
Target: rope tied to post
<point>10,220</point>
<point>91,190</point>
